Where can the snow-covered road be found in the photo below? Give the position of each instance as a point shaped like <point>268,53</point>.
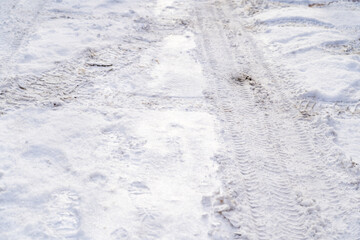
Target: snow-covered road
<point>166,119</point>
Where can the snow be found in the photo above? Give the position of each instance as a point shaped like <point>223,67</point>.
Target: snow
<point>166,119</point>
<point>348,137</point>
<point>317,48</point>
<point>92,170</point>
<point>89,173</point>
<point>79,25</point>
<point>316,44</point>
<point>172,70</point>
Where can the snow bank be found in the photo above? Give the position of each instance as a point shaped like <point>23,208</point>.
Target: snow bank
<point>320,46</point>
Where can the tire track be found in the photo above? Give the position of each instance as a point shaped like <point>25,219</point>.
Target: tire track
<point>244,218</point>
<point>311,150</point>
<point>20,20</point>
<point>6,10</point>
<point>314,163</point>
<point>252,134</point>
<point>67,81</point>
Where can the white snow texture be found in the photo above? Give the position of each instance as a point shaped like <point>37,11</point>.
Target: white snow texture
<point>179,119</point>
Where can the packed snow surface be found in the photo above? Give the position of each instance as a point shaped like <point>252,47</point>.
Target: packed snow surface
<point>169,119</point>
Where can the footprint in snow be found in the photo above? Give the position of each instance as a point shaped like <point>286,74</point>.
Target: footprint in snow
<point>120,234</point>
<point>46,157</point>
<point>138,188</point>
<point>63,215</point>
<point>2,185</point>
<point>98,178</point>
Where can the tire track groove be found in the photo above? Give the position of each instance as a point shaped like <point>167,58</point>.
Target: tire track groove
<point>252,130</point>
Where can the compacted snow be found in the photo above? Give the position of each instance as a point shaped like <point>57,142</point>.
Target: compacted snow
<point>168,119</point>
